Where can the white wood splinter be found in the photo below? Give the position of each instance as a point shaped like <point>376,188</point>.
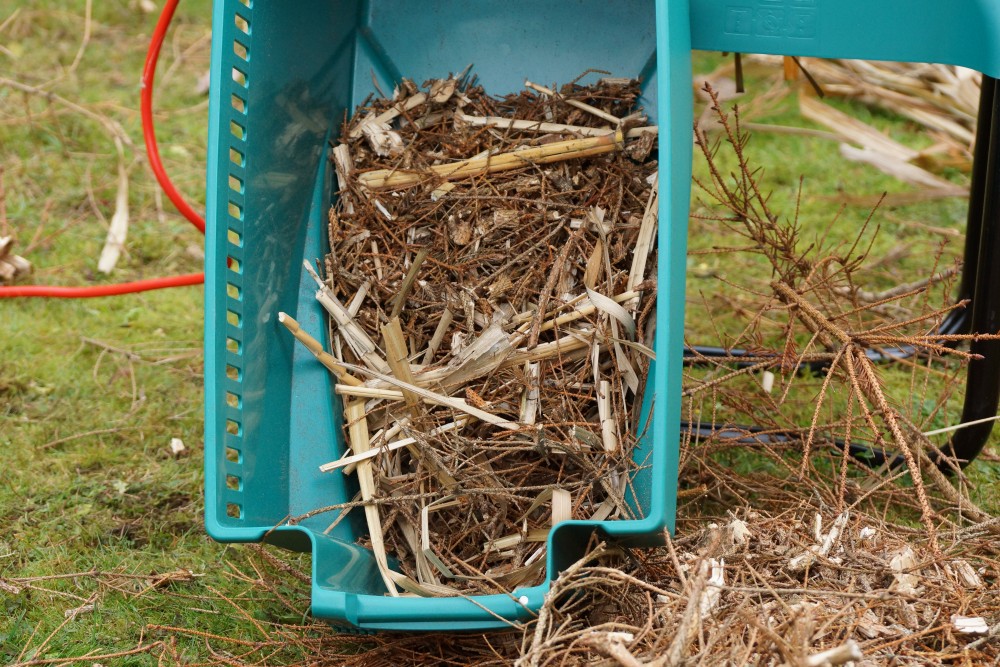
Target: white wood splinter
<point>608,435</point>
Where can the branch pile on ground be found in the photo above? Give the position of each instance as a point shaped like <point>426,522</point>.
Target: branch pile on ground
<point>490,285</point>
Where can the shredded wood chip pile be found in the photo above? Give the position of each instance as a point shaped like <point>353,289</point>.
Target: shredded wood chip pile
<point>491,288</point>
<point>799,587</point>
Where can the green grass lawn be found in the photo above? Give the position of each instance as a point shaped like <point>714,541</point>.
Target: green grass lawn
<point>93,391</point>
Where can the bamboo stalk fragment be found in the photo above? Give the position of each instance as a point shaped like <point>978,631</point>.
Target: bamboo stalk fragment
<point>586,309</point>
<point>404,289</point>
<point>377,261</point>
<point>381,394</point>
<point>644,240</point>
<point>368,392</point>
<point>562,506</point>
<point>878,150</point>
<point>359,342</point>
<point>852,129</point>
<point>562,346</point>
<point>384,179</point>
<point>343,166</point>
<point>425,573</point>
<point>901,169</point>
<point>603,511</point>
<point>314,346</point>
<point>442,190</point>
<point>939,97</point>
<point>359,298</point>
<point>382,435</point>
<point>529,402</point>
<point>395,345</point>
<point>408,104</point>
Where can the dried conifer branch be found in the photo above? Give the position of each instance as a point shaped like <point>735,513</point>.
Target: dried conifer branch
<point>818,289</point>
<point>864,379</point>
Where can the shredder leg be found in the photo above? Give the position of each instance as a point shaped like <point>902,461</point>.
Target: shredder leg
<point>981,281</point>
<point>959,321</point>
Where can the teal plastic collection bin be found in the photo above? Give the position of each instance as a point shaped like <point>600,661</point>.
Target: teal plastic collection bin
<point>283,76</point>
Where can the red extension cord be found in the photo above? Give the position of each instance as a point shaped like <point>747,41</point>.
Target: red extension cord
<point>153,152</point>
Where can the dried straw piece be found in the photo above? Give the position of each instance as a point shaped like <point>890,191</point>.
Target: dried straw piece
<point>348,461</point>
<point>603,115</point>
<point>404,290</point>
<point>647,234</point>
<point>608,436</point>
<point>440,399</point>
<point>357,433</point>
<point>529,401</point>
<point>562,506</point>
<point>359,342</point>
<point>384,118</point>
<point>395,349</point>
<point>551,128</point>
<point>876,149</point>
<point>438,337</point>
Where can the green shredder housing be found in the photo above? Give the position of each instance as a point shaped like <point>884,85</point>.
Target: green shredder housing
<point>284,74</point>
